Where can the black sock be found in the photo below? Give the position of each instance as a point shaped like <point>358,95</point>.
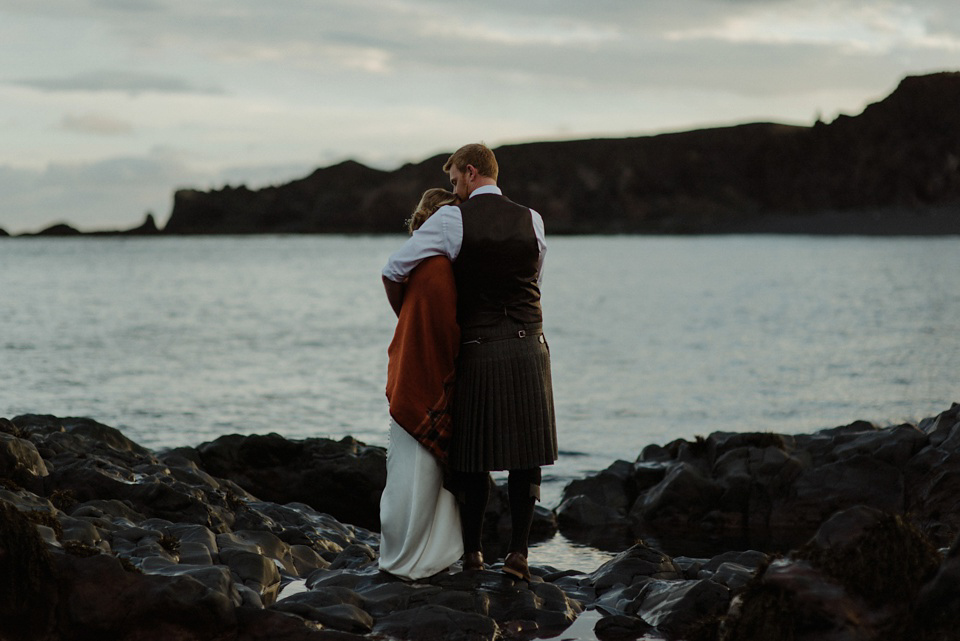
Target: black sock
<point>523,489</point>
<point>476,492</point>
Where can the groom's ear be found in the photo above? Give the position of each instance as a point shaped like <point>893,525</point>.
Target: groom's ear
<point>472,172</point>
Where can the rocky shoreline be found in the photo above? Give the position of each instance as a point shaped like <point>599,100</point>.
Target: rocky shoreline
<point>258,537</point>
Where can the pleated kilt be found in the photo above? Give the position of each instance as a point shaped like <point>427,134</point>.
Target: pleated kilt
<point>502,408</point>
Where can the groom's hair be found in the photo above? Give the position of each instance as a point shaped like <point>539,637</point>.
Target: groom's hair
<point>476,154</point>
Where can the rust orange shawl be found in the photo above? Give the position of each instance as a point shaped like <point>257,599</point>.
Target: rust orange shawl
<point>422,354</point>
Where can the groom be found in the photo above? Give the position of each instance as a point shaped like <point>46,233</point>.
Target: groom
<point>503,416</point>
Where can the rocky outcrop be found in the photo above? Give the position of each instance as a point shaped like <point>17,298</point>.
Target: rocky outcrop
<point>343,478</point>
<point>770,489</point>
<point>60,229</point>
<point>344,198</point>
<point>893,169</point>
<point>147,228</point>
<point>102,538</point>
<point>865,575</point>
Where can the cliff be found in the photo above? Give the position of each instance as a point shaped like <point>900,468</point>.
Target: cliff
<point>894,168</point>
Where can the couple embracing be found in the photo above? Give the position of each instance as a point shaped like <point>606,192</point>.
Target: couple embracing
<point>468,377</point>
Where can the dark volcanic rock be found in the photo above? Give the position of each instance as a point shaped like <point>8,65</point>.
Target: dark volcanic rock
<point>117,542</point>
<point>938,602</point>
<point>343,478</point>
<point>102,599</point>
<point>893,169</point>
<point>765,487</point>
<point>336,199</point>
<point>60,229</point>
<point>147,228</point>
<point>28,591</point>
<point>858,578</point>
<point>430,622</point>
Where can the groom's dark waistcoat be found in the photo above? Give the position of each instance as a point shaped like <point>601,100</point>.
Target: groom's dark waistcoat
<point>496,269</point>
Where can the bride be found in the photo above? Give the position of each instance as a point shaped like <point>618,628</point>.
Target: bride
<point>420,521</point>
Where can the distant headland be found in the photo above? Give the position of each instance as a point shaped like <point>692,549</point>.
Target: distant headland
<point>894,169</point>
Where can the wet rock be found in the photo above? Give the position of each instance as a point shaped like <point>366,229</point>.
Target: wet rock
<point>28,591</point>
<point>769,487</point>
<point>734,570</point>
<point>751,559</point>
<point>584,520</point>
<point>87,438</point>
<point>188,555</point>
<point>306,560</point>
<point>794,601</point>
<point>354,556</point>
<point>874,555</point>
<point>614,487</point>
<point>639,562</point>
<point>430,622</point>
<point>255,571</point>
<point>214,577</point>
<point>105,600</point>
<point>819,492</point>
<point>683,485</point>
<point>21,462</point>
<point>858,578</point>
<point>346,617</point>
<point>270,625</point>
<point>550,611</point>
<point>675,607</point>
<point>936,614</point>
<point>342,478</point>
<point>620,627</point>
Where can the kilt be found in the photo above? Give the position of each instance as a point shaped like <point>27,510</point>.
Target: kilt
<point>502,409</point>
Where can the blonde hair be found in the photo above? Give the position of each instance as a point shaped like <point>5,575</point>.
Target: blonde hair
<point>476,154</point>
<point>431,200</point>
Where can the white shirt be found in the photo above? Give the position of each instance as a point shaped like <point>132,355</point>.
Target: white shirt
<point>442,235</point>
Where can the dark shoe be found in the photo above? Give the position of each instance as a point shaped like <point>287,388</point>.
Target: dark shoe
<point>472,561</point>
<point>516,565</point>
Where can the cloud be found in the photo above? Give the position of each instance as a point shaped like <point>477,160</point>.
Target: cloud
<point>250,84</point>
<point>116,193</point>
<point>129,82</point>
<point>98,124</point>
<point>854,28</point>
<point>136,6</point>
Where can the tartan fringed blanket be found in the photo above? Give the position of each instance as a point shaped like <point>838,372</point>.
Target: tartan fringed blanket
<point>422,356</point>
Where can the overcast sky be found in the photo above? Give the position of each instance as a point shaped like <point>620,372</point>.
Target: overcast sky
<point>108,106</point>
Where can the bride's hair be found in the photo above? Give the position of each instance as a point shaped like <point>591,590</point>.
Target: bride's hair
<point>432,200</point>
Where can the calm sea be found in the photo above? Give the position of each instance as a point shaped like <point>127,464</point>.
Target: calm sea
<point>179,340</point>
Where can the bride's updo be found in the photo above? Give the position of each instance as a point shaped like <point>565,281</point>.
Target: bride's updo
<point>432,200</point>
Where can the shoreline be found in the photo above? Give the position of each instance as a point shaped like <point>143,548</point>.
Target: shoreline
<point>880,222</point>
<point>85,506</point>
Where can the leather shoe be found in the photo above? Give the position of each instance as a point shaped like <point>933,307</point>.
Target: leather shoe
<point>516,565</point>
<point>473,561</point>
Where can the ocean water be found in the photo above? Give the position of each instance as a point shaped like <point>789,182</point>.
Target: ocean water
<point>176,341</point>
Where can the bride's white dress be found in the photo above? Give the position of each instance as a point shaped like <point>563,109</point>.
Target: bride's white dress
<point>419,519</point>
